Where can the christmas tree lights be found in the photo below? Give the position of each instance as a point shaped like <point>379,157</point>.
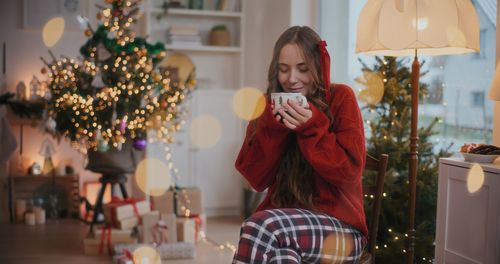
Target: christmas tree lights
<point>116,91</point>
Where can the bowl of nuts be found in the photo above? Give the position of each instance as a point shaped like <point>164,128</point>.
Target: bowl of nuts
<point>480,153</point>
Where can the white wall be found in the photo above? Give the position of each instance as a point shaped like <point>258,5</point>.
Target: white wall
<point>264,21</point>
<point>304,13</point>
<point>337,37</point>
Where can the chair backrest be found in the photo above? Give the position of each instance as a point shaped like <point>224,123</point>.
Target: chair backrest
<point>379,166</point>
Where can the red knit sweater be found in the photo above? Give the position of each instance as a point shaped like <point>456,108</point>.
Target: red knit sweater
<point>337,157</point>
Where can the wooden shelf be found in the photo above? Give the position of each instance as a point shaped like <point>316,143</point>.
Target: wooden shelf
<point>24,187</point>
<point>195,12</point>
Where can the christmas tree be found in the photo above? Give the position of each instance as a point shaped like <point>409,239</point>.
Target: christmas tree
<point>116,91</point>
<point>388,114</point>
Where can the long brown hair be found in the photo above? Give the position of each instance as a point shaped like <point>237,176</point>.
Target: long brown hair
<point>294,180</point>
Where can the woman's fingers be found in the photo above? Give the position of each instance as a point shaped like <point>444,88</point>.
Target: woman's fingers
<point>289,118</point>
<point>298,112</point>
<point>288,124</point>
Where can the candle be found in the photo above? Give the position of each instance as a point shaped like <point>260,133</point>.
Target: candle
<point>39,215</point>
<point>20,209</point>
<point>29,218</point>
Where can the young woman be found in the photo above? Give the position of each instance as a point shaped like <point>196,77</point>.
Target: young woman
<point>310,159</point>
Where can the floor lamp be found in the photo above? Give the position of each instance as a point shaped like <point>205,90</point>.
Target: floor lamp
<point>411,27</point>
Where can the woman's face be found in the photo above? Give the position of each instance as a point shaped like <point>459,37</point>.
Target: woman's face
<point>293,73</point>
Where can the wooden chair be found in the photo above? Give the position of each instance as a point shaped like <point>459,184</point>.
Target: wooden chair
<point>378,166</point>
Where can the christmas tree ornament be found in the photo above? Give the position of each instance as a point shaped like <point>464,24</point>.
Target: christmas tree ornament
<point>163,104</point>
<point>140,143</point>
<point>97,80</point>
<point>82,21</point>
<point>50,125</point>
<point>102,146</point>
<point>102,52</point>
<point>88,32</point>
<point>43,70</point>
<point>123,125</point>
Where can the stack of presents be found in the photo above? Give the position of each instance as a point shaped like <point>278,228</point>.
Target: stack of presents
<point>171,223</point>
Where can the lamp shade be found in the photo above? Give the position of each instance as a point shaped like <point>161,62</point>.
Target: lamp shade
<point>495,86</point>
<point>434,27</point>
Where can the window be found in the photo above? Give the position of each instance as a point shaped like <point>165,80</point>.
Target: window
<point>453,81</point>
<point>477,99</point>
<point>482,41</point>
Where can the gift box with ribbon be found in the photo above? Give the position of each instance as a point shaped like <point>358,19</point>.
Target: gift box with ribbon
<point>181,201</point>
<point>187,229</point>
<point>118,210</point>
<point>170,221</point>
<point>149,223</point>
<point>178,250</point>
<point>104,239</point>
<point>125,257</point>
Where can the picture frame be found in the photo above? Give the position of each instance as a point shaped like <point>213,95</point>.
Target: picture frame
<point>37,13</point>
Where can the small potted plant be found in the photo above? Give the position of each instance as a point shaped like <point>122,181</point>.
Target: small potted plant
<point>219,36</point>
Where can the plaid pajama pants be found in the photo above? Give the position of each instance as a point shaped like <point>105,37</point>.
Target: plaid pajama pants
<point>291,235</point>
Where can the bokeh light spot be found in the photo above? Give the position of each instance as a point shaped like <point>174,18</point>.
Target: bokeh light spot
<point>373,87</point>
<point>53,31</point>
<point>336,247</point>
<point>205,131</point>
<point>153,177</point>
<point>249,103</point>
<point>149,255</point>
<point>475,178</point>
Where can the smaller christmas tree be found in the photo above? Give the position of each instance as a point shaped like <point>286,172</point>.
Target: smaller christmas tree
<point>116,91</point>
<point>388,113</point>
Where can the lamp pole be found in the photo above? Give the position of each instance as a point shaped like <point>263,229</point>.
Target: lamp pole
<point>413,158</point>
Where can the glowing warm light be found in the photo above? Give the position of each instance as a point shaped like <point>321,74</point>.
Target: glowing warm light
<point>153,177</point>
<point>336,247</point>
<point>146,255</point>
<point>421,23</point>
<point>52,31</point>
<point>91,190</point>
<point>373,90</point>
<point>205,131</point>
<point>249,103</point>
<point>475,178</point>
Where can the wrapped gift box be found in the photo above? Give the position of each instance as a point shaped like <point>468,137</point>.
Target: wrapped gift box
<point>164,203</point>
<point>178,250</point>
<point>170,221</point>
<point>184,201</point>
<point>186,230</point>
<point>189,201</point>
<point>92,245</point>
<point>117,211</point>
<point>127,223</point>
<point>149,221</point>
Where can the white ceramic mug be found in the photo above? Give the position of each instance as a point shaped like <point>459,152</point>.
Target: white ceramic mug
<point>278,99</point>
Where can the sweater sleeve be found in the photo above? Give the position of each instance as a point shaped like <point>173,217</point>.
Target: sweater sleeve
<point>339,155</point>
<point>259,157</point>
